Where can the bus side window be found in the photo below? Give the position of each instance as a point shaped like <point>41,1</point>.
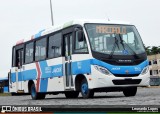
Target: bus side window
<point>13,57</point>
<point>54,48</point>
<point>18,58</point>
<point>40,50</point>
<point>80,46</point>
<point>29,53</point>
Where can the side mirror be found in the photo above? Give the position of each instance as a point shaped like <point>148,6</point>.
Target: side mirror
<point>80,35</point>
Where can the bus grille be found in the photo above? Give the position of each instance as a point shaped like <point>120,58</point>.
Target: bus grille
<point>126,75</point>
<point>127,81</point>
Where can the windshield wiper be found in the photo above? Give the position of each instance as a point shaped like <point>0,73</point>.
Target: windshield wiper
<point>121,41</point>
<point>135,55</point>
<point>114,47</point>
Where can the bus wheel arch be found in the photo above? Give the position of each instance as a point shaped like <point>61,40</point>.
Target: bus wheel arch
<point>82,86</point>
<point>78,81</point>
<point>29,85</point>
<point>36,95</point>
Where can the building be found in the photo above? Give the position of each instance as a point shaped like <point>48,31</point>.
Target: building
<point>154,62</point>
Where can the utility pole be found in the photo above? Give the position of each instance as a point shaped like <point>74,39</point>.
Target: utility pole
<point>51,12</point>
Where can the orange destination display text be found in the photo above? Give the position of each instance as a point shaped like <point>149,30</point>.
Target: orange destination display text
<point>111,29</point>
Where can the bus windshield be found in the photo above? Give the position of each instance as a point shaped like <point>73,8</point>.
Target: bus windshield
<point>114,39</point>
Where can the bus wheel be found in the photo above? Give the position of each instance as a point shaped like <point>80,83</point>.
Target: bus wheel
<point>130,91</point>
<point>13,94</point>
<point>85,91</point>
<point>72,94</point>
<point>35,95</point>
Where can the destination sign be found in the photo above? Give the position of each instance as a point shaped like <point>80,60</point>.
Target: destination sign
<point>111,29</point>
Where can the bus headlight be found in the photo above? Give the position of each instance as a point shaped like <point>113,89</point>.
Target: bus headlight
<point>145,70</point>
<point>102,70</point>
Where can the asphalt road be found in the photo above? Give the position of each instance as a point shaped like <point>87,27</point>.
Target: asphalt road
<point>145,96</point>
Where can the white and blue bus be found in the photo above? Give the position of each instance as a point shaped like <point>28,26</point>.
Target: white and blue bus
<point>84,56</point>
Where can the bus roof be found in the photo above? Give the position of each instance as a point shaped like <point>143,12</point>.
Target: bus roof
<point>70,23</point>
<point>81,22</point>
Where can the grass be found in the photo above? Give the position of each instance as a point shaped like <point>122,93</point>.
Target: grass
<point>5,94</point>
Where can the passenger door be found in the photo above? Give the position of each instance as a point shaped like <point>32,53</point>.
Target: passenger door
<point>68,78</point>
<point>19,71</point>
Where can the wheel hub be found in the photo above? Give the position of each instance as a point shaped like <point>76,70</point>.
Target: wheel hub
<point>85,89</point>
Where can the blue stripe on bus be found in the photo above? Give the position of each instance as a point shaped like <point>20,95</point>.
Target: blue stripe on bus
<point>48,72</point>
<point>29,75</point>
<point>43,85</point>
<point>57,70</point>
<point>136,69</point>
<point>13,77</point>
<point>43,66</point>
<point>25,75</point>
<point>44,75</point>
<point>83,67</point>
<point>79,67</point>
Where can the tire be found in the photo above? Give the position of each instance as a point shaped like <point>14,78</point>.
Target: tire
<point>72,94</point>
<point>85,91</point>
<point>130,91</point>
<point>13,94</point>
<point>35,95</point>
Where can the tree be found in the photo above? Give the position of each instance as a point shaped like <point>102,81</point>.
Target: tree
<point>148,50</point>
<point>152,50</point>
<point>155,50</point>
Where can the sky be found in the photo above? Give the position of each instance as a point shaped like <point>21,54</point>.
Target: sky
<point>20,19</point>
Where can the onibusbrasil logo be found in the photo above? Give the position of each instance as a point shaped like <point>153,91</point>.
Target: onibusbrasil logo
<point>20,109</point>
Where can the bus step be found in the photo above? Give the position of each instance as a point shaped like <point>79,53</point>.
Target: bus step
<point>20,91</point>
